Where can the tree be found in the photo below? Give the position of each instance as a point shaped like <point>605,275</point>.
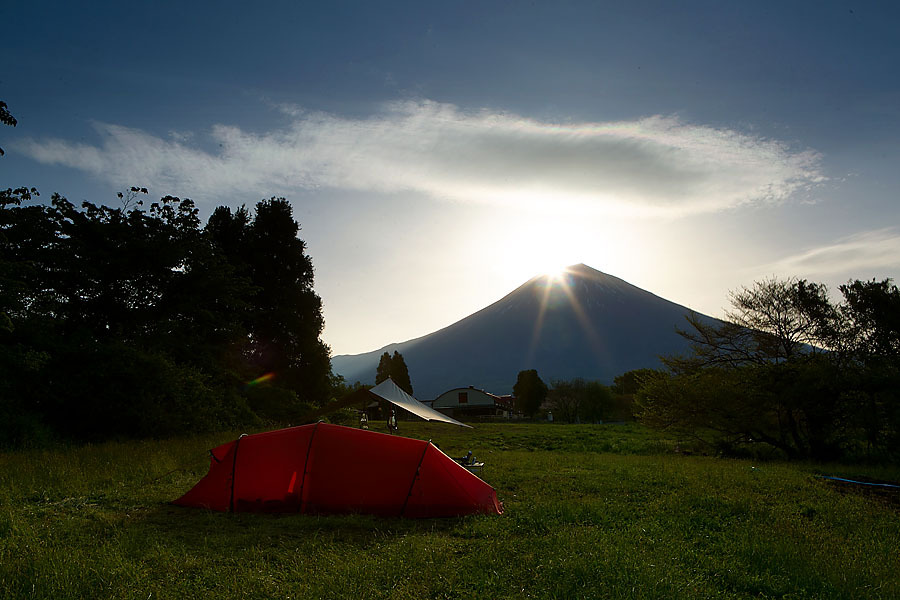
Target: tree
<point>400,373</point>
<point>772,321</point>
<point>394,368</point>
<point>134,321</point>
<point>869,351</point>
<point>578,401</point>
<point>383,372</point>
<point>871,318</point>
<point>109,301</point>
<point>789,369</point>
<point>285,323</point>
<point>530,392</point>
<point>6,118</point>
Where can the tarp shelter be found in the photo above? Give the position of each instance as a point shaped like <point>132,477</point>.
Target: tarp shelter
<point>391,392</point>
<point>331,469</point>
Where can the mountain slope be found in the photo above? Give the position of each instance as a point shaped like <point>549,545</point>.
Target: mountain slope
<point>588,324</point>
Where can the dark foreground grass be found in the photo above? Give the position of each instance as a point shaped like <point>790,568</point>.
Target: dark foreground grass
<point>591,512</point>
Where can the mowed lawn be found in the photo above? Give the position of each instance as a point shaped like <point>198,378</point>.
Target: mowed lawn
<point>592,511</point>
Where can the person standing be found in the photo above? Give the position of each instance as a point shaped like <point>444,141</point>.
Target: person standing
<point>392,422</point>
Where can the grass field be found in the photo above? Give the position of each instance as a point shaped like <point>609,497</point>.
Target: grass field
<point>591,512</point>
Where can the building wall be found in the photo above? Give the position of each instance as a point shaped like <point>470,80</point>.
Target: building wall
<point>450,399</point>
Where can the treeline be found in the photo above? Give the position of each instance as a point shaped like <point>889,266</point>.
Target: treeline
<point>577,400</point>
<point>789,370</point>
<point>138,321</point>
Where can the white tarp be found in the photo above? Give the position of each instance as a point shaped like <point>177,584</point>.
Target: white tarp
<point>392,393</point>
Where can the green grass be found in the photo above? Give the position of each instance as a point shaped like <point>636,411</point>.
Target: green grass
<point>591,512</point>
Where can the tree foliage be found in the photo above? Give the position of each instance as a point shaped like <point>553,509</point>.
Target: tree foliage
<point>578,401</point>
<point>383,371</point>
<point>394,367</point>
<point>6,118</point>
<point>135,321</point>
<point>530,392</point>
<point>286,320</point>
<point>789,369</point>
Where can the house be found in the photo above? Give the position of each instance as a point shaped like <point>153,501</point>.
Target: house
<point>472,402</point>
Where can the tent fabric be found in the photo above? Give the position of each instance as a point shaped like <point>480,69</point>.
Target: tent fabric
<point>331,469</point>
<point>390,391</point>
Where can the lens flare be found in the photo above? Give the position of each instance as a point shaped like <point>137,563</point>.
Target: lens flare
<point>261,379</point>
<point>558,288</point>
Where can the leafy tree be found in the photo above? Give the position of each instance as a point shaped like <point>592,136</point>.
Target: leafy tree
<point>530,392</point>
<point>6,118</point>
<point>630,382</point>
<point>383,372</point>
<point>134,321</point>
<point>394,367</point>
<point>868,351</point>
<point>105,297</point>
<point>871,319</point>
<point>400,373</point>
<point>580,401</point>
<point>286,321</point>
<point>772,321</point>
<point>791,370</point>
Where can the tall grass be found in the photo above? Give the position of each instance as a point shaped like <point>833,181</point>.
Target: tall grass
<point>591,512</point>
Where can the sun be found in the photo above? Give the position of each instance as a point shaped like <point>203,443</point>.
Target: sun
<point>555,273</point>
<point>543,245</point>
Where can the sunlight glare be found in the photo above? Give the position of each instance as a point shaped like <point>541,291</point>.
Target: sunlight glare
<point>555,274</point>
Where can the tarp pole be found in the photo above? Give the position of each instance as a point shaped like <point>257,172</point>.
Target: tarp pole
<point>233,469</point>
<point>416,476</point>
<point>305,463</point>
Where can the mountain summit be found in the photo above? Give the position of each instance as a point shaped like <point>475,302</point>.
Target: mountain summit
<point>583,323</point>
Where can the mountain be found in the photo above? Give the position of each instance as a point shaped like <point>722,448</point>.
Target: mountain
<point>584,324</point>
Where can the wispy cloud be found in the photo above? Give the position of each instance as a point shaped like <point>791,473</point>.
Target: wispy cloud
<point>858,255</point>
<point>651,166</point>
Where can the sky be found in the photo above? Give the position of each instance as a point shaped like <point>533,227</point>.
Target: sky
<point>438,155</point>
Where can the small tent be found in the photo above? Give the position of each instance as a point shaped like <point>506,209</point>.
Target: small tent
<point>330,469</point>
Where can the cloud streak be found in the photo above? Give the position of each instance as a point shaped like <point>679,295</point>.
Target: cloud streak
<point>858,255</point>
<point>651,166</point>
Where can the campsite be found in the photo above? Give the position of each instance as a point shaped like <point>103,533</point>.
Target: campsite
<point>590,511</point>
<point>450,300</point>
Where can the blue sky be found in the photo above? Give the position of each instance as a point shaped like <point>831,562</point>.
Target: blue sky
<point>438,155</point>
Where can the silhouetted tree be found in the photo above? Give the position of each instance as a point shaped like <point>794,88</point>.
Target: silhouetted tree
<point>286,321</point>
<point>530,392</point>
<point>630,382</point>
<point>287,316</point>
<point>394,367</point>
<point>580,401</point>
<point>134,321</point>
<point>791,370</point>
<point>383,372</point>
<point>105,299</point>
<point>6,118</point>
<point>400,373</point>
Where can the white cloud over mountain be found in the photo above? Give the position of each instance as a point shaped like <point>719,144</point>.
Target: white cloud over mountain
<point>651,166</point>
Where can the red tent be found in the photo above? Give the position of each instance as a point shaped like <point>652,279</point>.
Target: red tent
<point>329,469</point>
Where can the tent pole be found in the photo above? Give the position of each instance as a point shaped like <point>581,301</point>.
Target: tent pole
<point>416,476</point>
<point>305,463</point>
<point>237,445</point>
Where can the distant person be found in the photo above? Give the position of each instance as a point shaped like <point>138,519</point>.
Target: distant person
<point>392,422</point>
<point>550,415</point>
<point>363,421</point>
